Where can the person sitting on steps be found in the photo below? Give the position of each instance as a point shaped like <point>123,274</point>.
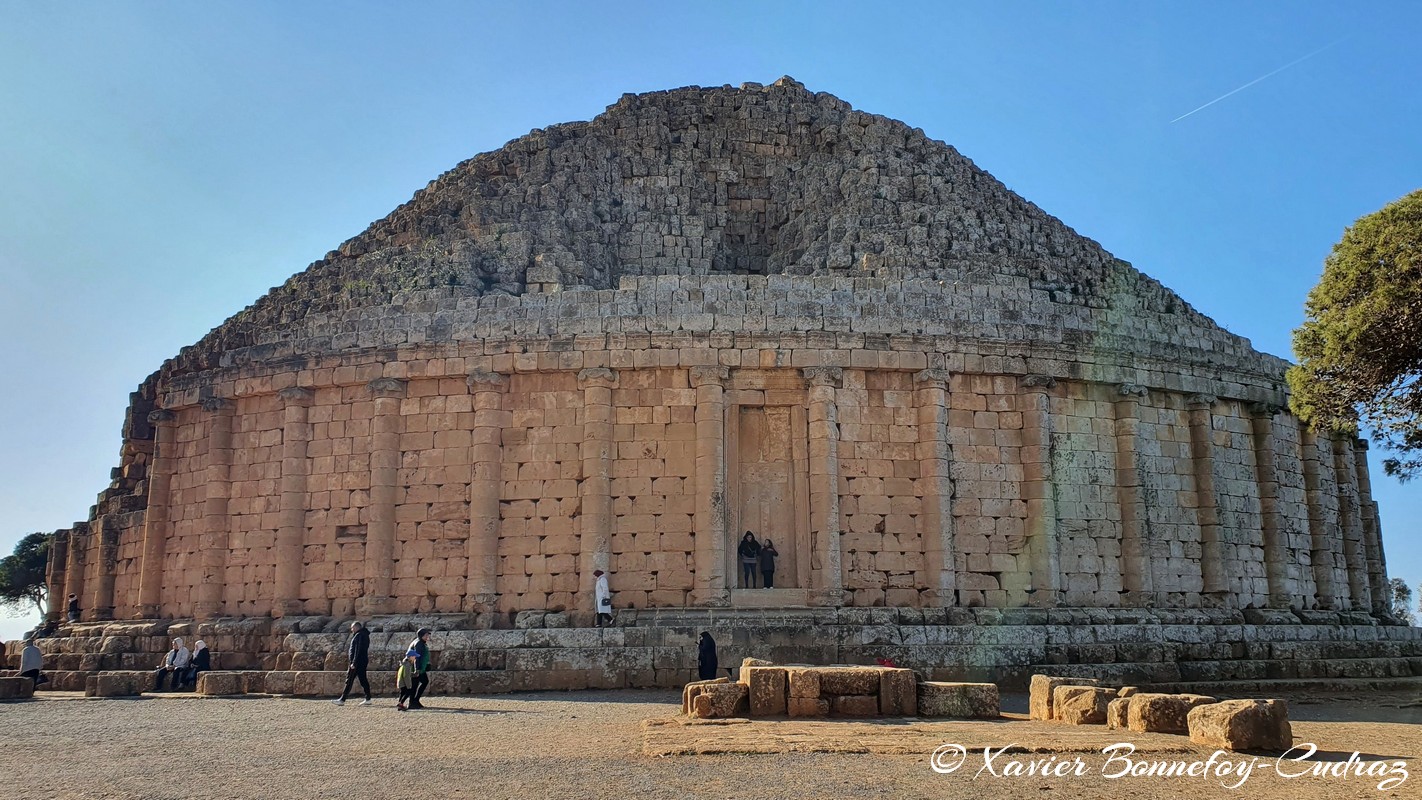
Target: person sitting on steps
<point>749,552</point>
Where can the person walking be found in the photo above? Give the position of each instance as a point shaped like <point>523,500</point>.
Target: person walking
<point>405,677</point>
<point>175,663</point>
<point>357,662</point>
<point>73,610</point>
<point>767,564</point>
<point>31,662</point>
<point>749,552</point>
<point>421,648</point>
<point>602,598</point>
<point>706,657</point>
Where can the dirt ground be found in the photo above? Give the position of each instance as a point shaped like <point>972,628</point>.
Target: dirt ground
<point>630,744</point>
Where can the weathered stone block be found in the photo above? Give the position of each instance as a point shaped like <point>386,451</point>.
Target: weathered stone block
<point>1242,725</point>
<point>958,700</point>
<point>898,693</point>
<point>1081,705</point>
<point>720,701</point>
<point>768,687</point>
<point>691,690</point>
<point>804,683</point>
<point>220,683</point>
<point>851,705</point>
<point>849,680</point>
<point>808,707</point>
<point>16,688</point>
<point>1042,686</point>
<point>1162,713</point>
<point>1116,712</point>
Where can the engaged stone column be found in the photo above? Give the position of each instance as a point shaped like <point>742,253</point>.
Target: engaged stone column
<point>216,491</point>
<point>291,533</point>
<point>76,559</point>
<point>485,487</point>
<point>384,470</point>
<point>54,576</point>
<point>826,565</point>
<point>156,521</point>
<point>711,585</point>
<point>1372,532</point>
<point>106,536</point>
<point>1266,464</point>
<point>1037,489</point>
<point>1202,448</point>
<point>1324,542</point>
<point>1137,577</point>
<point>1350,518</point>
<point>935,457</point>
<point>595,490</point>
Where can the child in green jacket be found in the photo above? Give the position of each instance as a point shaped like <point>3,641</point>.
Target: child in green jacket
<point>405,677</point>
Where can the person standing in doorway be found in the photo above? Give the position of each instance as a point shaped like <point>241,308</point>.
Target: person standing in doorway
<point>706,657</point>
<point>358,660</point>
<point>602,598</point>
<point>421,646</point>
<point>749,552</point>
<point>767,564</point>
<point>73,609</point>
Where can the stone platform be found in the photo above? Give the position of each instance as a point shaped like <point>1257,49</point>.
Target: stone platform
<point>657,648</point>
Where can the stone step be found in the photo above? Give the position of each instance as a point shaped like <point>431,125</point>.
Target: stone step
<point>1253,689</point>
<point>769,598</point>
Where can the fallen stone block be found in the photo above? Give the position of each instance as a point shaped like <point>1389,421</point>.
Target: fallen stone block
<point>849,680</point>
<point>1127,691</point>
<point>1081,705</point>
<point>1162,713</point>
<point>958,700</point>
<point>720,701</point>
<point>808,707</point>
<point>768,687</point>
<point>1042,686</point>
<point>1116,712</point>
<point>854,705</point>
<point>16,688</point>
<point>120,684</point>
<point>898,693</point>
<point>279,682</point>
<point>804,683</point>
<point>756,662</point>
<point>691,690</point>
<point>1242,725</point>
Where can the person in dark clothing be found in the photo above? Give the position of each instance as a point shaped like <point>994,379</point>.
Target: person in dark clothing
<point>767,564</point>
<point>421,645</point>
<point>358,660</point>
<point>202,662</point>
<point>73,608</point>
<point>706,657</point>
<point>749,552</point>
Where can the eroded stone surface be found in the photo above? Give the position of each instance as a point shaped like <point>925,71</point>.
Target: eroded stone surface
<point>1242,725</point>
<point>958,700</point>
<point>1162,713</point>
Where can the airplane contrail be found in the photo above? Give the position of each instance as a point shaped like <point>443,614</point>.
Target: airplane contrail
<point>1258,79</point>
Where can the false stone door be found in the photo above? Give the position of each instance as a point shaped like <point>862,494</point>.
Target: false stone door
<point>771,469</point>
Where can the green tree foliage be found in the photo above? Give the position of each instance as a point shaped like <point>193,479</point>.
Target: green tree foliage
<point>1360,347</point>
<point>22,581</point>
<point>1402,600</point>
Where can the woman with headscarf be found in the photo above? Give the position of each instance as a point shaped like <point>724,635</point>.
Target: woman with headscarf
<point>202,661</point>
<point>767,564</point>
<point>706,657</point>
<point>749,552</point>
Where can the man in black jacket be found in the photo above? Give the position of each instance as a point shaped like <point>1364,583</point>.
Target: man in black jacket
<point>359,656</point>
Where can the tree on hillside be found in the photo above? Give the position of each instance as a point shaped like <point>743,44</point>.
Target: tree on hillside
<point>1402,600</point>
<point>1360,347</point>
<point>22,581</point>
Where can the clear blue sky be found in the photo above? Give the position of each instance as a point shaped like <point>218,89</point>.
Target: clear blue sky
<point>163,164</point>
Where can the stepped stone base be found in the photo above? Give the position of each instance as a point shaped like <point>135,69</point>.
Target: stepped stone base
<point>657,648</point>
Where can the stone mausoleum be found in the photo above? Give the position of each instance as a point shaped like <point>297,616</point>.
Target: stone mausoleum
<point>620,344</point>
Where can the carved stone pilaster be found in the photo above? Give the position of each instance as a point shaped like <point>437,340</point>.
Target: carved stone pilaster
<point>387,387</point>
<point>702,376</point>
<point>824,376</point>
<point>597,377</point>
<point>1037,382</point>
<point>932,378</point>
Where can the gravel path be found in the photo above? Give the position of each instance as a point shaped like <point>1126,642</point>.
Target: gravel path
<point>548,745</point>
